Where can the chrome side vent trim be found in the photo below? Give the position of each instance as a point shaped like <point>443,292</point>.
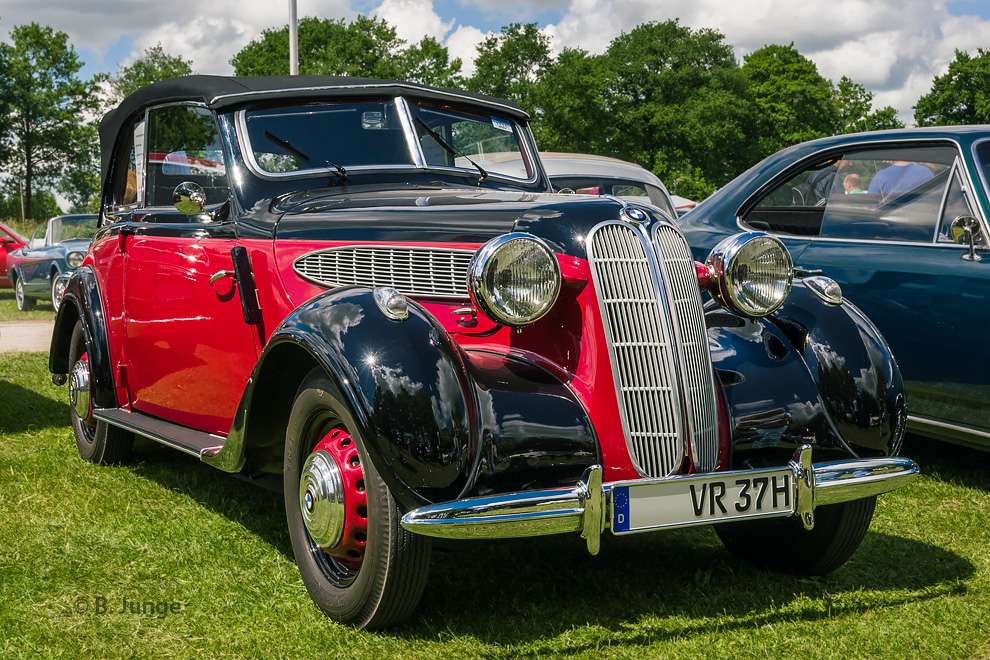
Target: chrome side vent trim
<point>684,299</point>
<point>641,347</point>
<point>413,271</point>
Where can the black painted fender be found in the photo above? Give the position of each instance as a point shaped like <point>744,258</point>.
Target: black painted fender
<point>811,373</point>
<point>433,420</point>
<point>83,292</point>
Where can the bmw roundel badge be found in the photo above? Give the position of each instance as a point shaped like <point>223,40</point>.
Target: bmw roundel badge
<point>634,214</point>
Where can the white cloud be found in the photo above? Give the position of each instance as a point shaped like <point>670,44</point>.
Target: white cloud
<point>413,19</point>
<point>463,43</point>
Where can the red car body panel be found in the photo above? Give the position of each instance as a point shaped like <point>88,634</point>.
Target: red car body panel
<point>9,241</point>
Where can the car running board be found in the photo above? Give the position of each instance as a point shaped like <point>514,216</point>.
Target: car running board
<point>192,442</point>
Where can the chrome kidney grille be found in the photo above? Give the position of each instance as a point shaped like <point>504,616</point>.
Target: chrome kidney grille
<point>651,310</point>
<point>414,271</point>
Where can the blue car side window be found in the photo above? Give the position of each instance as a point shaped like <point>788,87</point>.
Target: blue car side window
<point>889,194</point>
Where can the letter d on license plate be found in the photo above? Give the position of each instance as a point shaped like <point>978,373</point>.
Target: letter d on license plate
<point>685,501</point>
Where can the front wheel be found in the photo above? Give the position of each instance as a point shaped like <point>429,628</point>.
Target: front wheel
<point>358,564</point>
<point>784,544</point>
<point>24,303</point>
<point>97,441</point>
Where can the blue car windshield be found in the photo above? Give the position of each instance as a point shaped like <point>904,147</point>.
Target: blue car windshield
<point>69,228</point>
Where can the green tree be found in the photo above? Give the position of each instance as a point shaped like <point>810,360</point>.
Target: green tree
<point>510,62</point>
<point>961,96</point>
<point>46,101</point>
<point>678,102</point>
<point>153,65</point>
<point>366,47</point>
<point>429,63</point>
<point>793,102</point>
<point>854,106</point>
<point>570,99</point>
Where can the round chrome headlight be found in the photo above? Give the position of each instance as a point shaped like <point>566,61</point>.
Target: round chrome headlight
<point>514,279</point>
<point>75,259</point>
<point>752,272</point>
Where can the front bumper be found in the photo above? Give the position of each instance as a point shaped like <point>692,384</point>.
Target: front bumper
<point>588,508</point>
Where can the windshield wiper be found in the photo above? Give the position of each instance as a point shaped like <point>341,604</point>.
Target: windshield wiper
<point>285,144</point>
<point>450,149</point>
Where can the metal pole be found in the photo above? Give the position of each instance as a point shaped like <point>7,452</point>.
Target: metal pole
<point>293,40</point>
<point>22,202</point>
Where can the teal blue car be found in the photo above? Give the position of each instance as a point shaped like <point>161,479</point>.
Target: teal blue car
<point>40,269</point>
<point>899,220</point>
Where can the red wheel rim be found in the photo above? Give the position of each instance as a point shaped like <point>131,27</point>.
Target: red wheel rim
<point>350,551</point>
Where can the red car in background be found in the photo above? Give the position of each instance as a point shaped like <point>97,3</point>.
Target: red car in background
<point>10,240</point>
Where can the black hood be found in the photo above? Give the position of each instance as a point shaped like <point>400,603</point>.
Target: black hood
<point>444,216</point>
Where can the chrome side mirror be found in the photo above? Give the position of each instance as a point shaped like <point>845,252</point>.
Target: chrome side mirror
<point>966,229</point>
<point>189,198</point>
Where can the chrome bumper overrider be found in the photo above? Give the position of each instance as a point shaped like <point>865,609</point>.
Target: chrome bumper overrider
<point>586,507</point>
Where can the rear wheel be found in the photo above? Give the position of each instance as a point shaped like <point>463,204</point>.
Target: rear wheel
<point>358,564</point>
<point>784,544</point>
<point>97,441</point>
<point>23,302</point>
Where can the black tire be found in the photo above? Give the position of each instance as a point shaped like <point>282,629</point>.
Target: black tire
<point>99,442</point>
<point>784,545</point>
<point>385,589</point>
<point>58,288</point>
<point>24,304</point>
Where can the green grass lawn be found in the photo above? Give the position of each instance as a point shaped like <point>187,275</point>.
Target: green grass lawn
<point>168,529</point>
<point>43,310</point>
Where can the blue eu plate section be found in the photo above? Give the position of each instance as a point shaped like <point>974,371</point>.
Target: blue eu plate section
<point>620,509</point>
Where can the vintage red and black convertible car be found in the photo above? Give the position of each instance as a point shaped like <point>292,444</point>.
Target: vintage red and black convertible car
<point>367,287</point>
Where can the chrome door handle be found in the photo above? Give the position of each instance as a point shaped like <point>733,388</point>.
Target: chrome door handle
<point>220,274</point>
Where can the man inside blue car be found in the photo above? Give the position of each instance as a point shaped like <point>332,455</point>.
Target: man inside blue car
<point>901,176</point>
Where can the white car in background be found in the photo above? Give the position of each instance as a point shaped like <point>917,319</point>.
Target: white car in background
<point>600,175</point>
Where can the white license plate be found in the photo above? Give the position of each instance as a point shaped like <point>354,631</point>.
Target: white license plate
<point>684,501</point>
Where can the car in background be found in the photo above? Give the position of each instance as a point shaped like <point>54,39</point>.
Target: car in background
<point>368,290</point>
<point>39,270</point>
<point>10,241</point>
<point>587,174</point>
<point>899,220</point>
<point>682,204</point>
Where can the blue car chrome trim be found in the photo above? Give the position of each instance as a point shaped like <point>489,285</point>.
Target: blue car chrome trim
<point>590,507</point>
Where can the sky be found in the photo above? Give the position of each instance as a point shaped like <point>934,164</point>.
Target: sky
<point>893,47</point>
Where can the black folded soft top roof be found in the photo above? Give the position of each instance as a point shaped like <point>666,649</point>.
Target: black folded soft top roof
<point>221,92</point>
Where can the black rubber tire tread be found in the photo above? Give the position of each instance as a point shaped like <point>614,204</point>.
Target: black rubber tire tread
<point>106,444</point>
<point>396,564</point>
<point>24,303</point>
<point>783,544</point>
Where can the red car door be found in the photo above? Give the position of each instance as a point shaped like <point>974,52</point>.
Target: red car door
<point>189,349</point>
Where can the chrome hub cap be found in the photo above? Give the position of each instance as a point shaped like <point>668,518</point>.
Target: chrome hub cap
<point>321,499</point>
<point>79,397</point>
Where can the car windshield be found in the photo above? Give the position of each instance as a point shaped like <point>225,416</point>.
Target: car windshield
<point>68,228</point>
<point>290,140</point>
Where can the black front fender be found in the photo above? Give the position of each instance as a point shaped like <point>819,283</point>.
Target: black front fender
<point>404,383</point>
<point>810,373</point>
<point>83,292</point>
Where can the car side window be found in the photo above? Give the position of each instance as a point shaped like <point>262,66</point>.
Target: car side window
<point>888,194</point>
<point>124,177</point>
<point>182,144</point>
